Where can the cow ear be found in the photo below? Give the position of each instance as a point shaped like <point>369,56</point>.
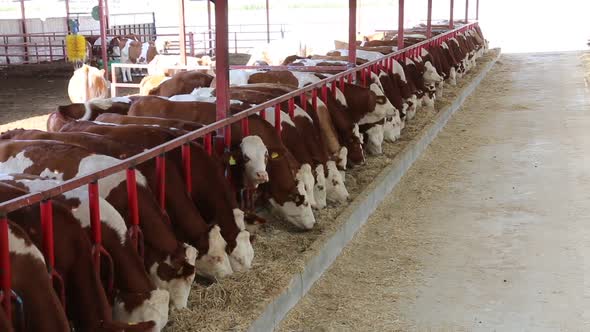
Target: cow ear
<point>381,100</point>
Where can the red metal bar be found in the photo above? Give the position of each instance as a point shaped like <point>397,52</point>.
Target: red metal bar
<point>451,23</point>
<point>95,224</point>
<point>263,114</point>
<point>267,22</point>
<point>352,33</point>
<point>477,10</point>
<point>106,13</point>
<point>342,83</point>
<point>5,266</point>
<point>67,15</point>
<point>209,25</point>
<point>334,87</point>
<point>208,144</point>
<point>314,100</point>
<point>292,108</point>
<point>278,118</point>
<point>466,11</point>
<point>24,29</point>
<point>325,94</point>
<point>103,38</point>
<point>349,77</point>
<point>161,180</point>
<point>245,127</point>
<point>222,61</point>
<point>303,97</point>
<point>47,229</point>
<point>429,21</point>
<point>187,167</point>
<point>133,207</point>
<point>363,77</point>
<point>400,28</point>
<point>182,32</point>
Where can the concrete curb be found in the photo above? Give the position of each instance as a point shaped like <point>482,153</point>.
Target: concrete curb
<point>357,214</point>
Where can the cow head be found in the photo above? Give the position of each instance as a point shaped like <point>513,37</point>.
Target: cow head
<point>305,175</point>
<point>374,139</point>
<point>255,159</point>
<point>288,197</point>
<point>243,254</point>
<point>155,309</point>
<point>319,189</point>
<point>215,264</point>
<point>356,155</point>
<point>336,190</point>
<point>176,275</point>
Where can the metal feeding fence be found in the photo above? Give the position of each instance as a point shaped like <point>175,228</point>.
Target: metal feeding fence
<point>205,135</point>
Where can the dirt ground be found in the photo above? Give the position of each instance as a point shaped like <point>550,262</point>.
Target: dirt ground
<point>26,102</point>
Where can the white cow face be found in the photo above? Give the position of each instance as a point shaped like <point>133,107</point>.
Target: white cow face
<point>297,211</point>
<point>336,190</point>
<point>255,157</point>
<point>243,254</point>
<point>374,140</point>
<point>155,308</point>
<point>178,288</point>
<point>319,190</point>
<point>305,175</point>
<point>430,74</point>
<point>215,263</point>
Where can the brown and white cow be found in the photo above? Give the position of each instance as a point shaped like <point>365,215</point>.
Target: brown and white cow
<point>136,298</point>
<point>133,51</point>
<point>213,262</point>
<point>182,83</point>
<point>170,263</point>
<point>86,302</point>
<point>88,110</point>
<point>253,151</point>
<point>87,83</point>
<point>186,220</point>
<point>30,281</point>
<point>288,196</point>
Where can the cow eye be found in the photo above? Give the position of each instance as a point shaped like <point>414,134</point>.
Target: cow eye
<point>246,159</point>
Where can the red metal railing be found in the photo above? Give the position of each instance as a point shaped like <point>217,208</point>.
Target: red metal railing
<point>129,164</point>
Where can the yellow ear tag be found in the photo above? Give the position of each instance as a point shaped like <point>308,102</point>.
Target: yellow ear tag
<point>232,161</point>
<point>274,155</point>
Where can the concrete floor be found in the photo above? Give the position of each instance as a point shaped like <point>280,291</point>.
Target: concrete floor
<point>499,215</point>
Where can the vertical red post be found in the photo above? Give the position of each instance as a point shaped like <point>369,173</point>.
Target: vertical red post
<point>187,167</point>
<point>182,32</point>
<point>314,100</point>
<point>429,21</point>
<point>400,28</point>
<point>451,23</point>
<point>208,143</point>
<point>267,22</point>
<point>5,267</point>
<point>68,16</point>
<point>161,180</point>
<point>477,10</point>
<point>245,127</point>
<point>466,11</point>
<point>278,118</point>
<point>47,230</point>
<point>334,89</point>
<point>209,25</point>
<point>263,114</point>
<point>304,101</point>
<point>352,33</point>
<point>24,29</point>
<point>291,108</point>
<point>95,225</point>
<point>106,14</point>
<point>325,93</point>
<point>133,207</point>
<point>103,37</point>
<point>222,63</point>
<point>342,83</point>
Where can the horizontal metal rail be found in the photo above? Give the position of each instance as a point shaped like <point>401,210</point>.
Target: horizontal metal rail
<point>131,162</point>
